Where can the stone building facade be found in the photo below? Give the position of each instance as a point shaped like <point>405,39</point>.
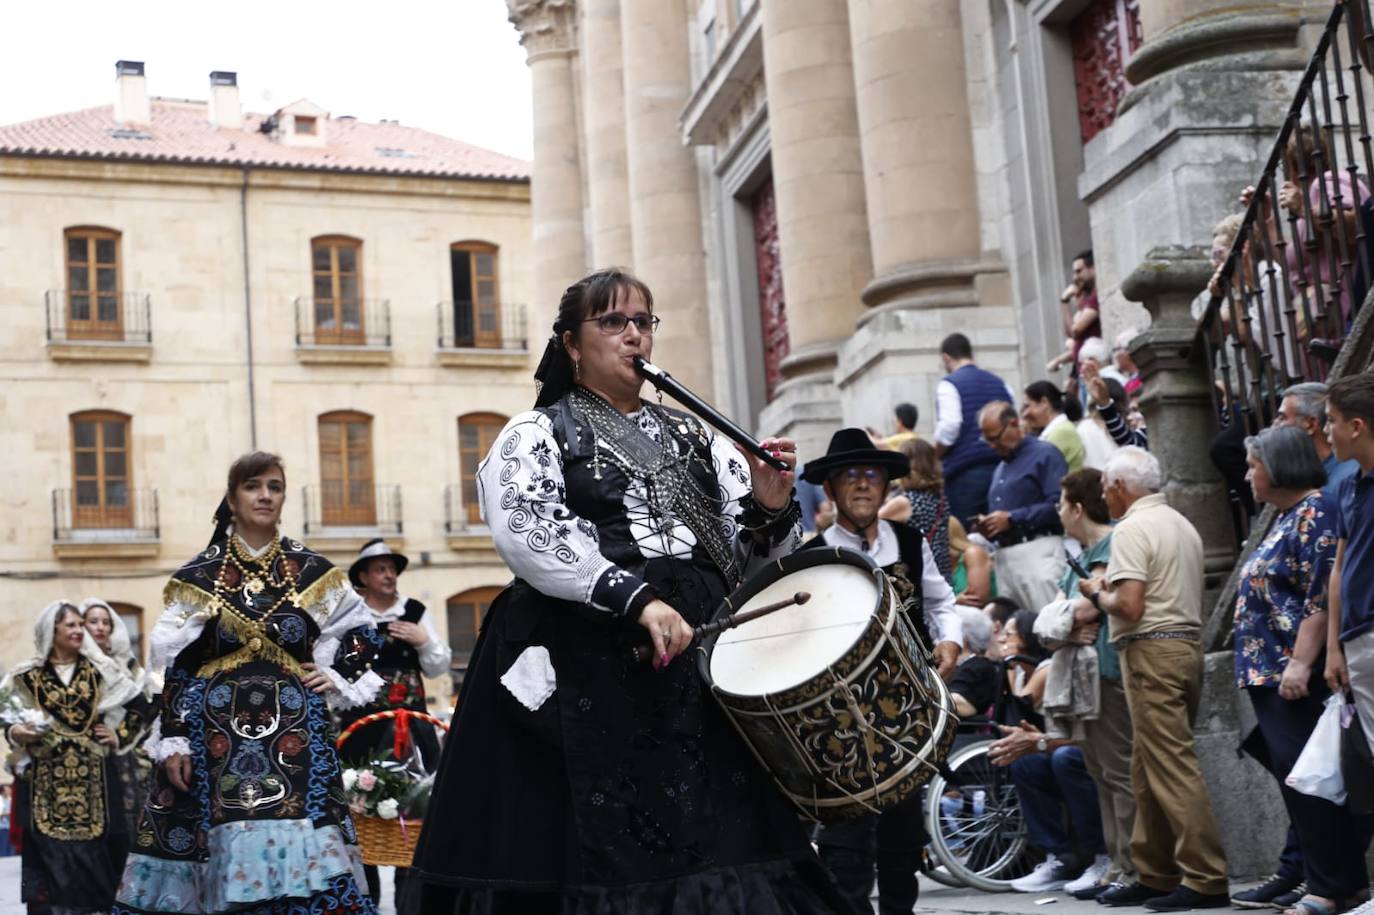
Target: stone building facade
<point>183,282</point>
<point>819,191</point>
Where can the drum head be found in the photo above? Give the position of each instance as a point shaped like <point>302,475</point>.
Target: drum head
<point>789,647</point>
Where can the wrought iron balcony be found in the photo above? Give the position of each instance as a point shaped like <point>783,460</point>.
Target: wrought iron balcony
<point>355,323</point>
<point>469,326</point>
<point>344,509</point>
<point>105,318</point>
<point>122,516</point>
<point>461,515</point>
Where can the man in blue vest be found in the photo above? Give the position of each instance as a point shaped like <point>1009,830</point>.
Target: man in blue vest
<point>966,459</point>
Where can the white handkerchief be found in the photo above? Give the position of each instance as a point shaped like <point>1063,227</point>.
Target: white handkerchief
<point>531,678</point>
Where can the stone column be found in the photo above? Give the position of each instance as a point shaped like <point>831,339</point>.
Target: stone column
<point>603,108</point>
<point>822,226</point>
<point>665,210</point>
<point>1208,94</point>
<point>547,32</point>
<point>818,176</point>
<point>929,278</point>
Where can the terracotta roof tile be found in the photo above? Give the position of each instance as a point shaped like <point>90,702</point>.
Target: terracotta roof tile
<point>180,132</point>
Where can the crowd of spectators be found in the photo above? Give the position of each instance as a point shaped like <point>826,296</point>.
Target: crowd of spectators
<point>1080,591</point>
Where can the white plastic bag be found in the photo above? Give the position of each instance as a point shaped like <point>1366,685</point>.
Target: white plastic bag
<point>1318,770</point>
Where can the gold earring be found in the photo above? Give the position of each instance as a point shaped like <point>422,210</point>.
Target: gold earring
<point>577,371</point>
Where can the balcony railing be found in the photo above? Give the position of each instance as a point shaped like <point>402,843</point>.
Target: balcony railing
<point>99,317</point>
<point>345,508</point>
<point>1286,295</point>
<point>466,325</point>
<point>125,516</point>
<point>362,323</point>
<point>460,515</point>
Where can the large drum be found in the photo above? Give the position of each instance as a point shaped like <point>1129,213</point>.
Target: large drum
<point>837,697</point>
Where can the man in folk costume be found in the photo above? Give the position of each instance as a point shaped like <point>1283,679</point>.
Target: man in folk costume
<point>856,476</point>
<point>410,650</point>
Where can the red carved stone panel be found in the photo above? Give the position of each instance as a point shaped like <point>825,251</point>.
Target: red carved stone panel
<point>1104,36</point>
<point>772,304</point>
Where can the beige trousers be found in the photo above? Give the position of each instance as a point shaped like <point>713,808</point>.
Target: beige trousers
<point>1175,839</point>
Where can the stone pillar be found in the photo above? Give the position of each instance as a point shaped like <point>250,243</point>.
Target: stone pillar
<point>1210,88</point>
<point>1177,400</point>
<point>822,225</point>
<point>547,32</point>
<point>603,108</point>
<point>665,210</point>
<point>929,278</point>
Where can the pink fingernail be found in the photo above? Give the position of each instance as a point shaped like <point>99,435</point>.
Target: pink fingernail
<point>664,658</point>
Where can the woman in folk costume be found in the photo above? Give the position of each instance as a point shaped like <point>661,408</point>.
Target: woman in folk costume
<point>75,841</point>
<point>602,785</point>
<point>247,811</point>
<point>131,763</point>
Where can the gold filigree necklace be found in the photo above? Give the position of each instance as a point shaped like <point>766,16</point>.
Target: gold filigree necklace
<point>255,576</point>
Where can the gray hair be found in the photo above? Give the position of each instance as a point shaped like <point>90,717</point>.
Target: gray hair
<point>1095,348</point>
<point>977,629</point>
<point>1309,399</point>
<point>1289,457</point>
<point>1136,469</point>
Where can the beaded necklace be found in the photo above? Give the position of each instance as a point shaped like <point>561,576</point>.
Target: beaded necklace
<point>256,575</point>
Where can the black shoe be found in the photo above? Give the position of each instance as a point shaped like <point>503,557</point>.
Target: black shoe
<point>1289,899</point>
<point>1266,893</point>
<point>1135,894</point>
<point>1183,899</point>
<point>1092,892</point>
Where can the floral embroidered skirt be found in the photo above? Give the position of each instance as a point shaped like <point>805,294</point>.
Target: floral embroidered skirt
<point>264,828</point>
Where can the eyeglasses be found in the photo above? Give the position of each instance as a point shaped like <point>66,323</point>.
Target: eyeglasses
<point>855,474</point>
<point>994,439</point>
<point>615,322</point>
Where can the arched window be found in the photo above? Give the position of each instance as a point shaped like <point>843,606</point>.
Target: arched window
<point>94,284</point>
<point>336,264</point>
<point>132,616</point>
<point>348,497</point>
<point>476,294</point>
<point>465,612</point>
<point>476,434</point>
<point>102,491</point>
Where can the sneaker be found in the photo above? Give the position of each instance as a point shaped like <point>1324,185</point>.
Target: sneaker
<point>1090,878</point>
<point>1184,899</point>
<point>1135,894</point>
<point>1290,898</point>
<point>1267,893</point>
<point>1043,879</point>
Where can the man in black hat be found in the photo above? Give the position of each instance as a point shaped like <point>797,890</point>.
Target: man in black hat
<point>855,476</point>
<point>410,650</point>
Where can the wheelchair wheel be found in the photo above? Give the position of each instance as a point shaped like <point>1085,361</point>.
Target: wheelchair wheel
<point>975,824</point>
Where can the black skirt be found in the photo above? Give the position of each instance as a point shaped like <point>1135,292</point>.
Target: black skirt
<point>628,791</point>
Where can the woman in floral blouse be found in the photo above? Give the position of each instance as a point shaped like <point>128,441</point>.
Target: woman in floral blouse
<point>1279,629</point>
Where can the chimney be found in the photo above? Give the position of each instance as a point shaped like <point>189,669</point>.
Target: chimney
<point>224,100</point>
<point>131,94</point>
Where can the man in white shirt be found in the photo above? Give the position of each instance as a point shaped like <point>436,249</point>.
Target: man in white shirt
<point>855,475</point>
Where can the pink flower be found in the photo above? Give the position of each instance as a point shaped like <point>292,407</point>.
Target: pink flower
<point>367,780</point>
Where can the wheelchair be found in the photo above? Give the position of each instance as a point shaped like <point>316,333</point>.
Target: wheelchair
<point>977,834</point>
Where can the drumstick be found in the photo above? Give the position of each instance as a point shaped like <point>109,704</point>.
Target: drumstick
<point>641,653</point>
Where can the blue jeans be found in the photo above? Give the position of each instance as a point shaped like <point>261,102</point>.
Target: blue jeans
<point>1046,786</point>
<point>966,493</point>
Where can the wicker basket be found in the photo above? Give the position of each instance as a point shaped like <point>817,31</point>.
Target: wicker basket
<point>387,842</point>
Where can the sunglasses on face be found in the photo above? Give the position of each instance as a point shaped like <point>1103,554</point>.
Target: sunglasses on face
<point>615,322</point>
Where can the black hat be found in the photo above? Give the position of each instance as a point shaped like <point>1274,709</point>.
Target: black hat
<point>375,549</point>
<point>852,448</point>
